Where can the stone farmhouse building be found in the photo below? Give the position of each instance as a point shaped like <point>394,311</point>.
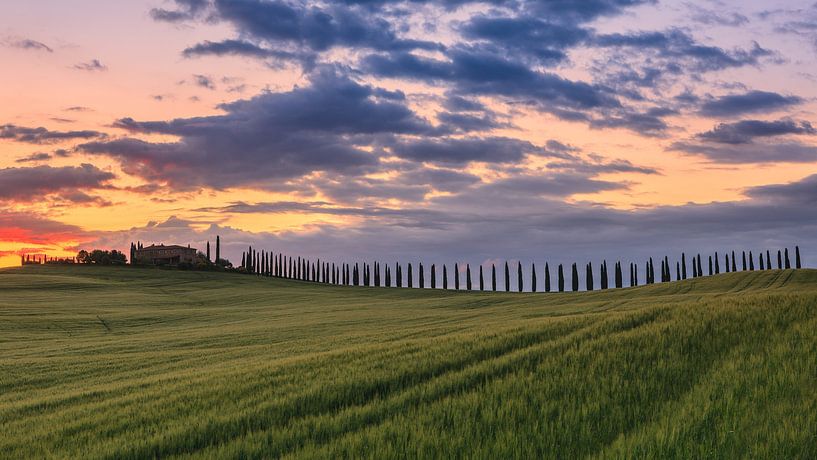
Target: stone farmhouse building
<point>165,255</point>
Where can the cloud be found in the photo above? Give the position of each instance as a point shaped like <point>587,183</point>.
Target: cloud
<point>204,81</point>
<point>34,158</point>
<point>777,152</point>
<point>31,228</point>
<point>749,102</point>
<point>94,65</point>
<point>466,150</point>
<point>187,9</point>
<point>744,131</point>
<point>30,184</point>
<point>271,138</point>
<point>42,135</point>
<point>28,44</point>
<point>803,192</point>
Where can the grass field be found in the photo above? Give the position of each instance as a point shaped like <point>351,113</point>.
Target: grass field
<point>136,363</point>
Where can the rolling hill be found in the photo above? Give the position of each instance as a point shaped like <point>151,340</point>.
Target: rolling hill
<point>134,363</point>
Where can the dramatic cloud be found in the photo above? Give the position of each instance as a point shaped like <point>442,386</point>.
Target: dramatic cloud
<point>32,183</point>
<point>30,228</point>
<point>271,138</point>
<point>750,102</point>
<point>461,151</point>
<point>42,135</point>
<point>34,158</point>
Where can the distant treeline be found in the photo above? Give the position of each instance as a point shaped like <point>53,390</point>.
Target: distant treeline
<point>97,256</point>
<point>376,274</point>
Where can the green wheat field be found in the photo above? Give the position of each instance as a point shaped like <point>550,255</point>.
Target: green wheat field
<point>144,363</point>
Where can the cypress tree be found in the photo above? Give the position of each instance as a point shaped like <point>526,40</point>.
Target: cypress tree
<point>700,270</point>
<point>683,265</point>
<point>533,277</point>
<point>507,278</point>
<point>388,276</point>
<point>768,260</point>
<point>734,262</point>
<point>632,275</point>
<point>678,273</point>
<point>399,271</point>
<point>493,277</point>
<point>218,248</point>
<point>208,251</point>
<point>243,259</point>
<point>652,271</point>
<point>481,279</point>
<point>588,281</point>
<point>694,268</point>
<point>797,263</point>
<point>422,277</point>
<point>519,275</point>
<point>744,260</point>
<point>445,277</point>
<point>717,264</point>
<point>547,278</point>
<point>788,264</point>
<point>751,262</point>
<point>605,279</point>
<point>762,266</point>
<point>619,276</point>
<point>456,276</point>
<point>334,278</point>
<point>635,272</point>
<point>410,277</point>
<point>433,276</point>
<point>726,257</point>
<point>779,260</point>
<point>468,276</point>
<point>575,274</point>
<point>561,279</point>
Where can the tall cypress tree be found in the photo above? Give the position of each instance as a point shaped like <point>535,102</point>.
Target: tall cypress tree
<point>399,271</point>
<point>619,276</point>
<point>533,277</point>
<point>632,275</point>
<point>456,276</point>
<point>744,260</point>
<point>507,278</point>
<point>481,279</point>
<point>218,248</point>
<point>575,274</point>
<point>388,276</point>
<point>208,251</point>
<point>700,270</point>
<point>717,264</point>
<point>652,271</point>
<point>751,262</point>
<point>445,277</point>
<point>519,275</point>
<point>726,258</point>
<point>678,271</point>
<point>588,280</point>
<point>734,262</point>
<point>561,278</point>
<point>683,265</point>
<point>243,259</point>
<point>797,263</point>
<point>788,264</point>
<point>468,276</point>
<point>493,277</point>
<point>762,265</point>
<point>768,260</point>
<point>779,260</point>
<point>635,272</point>
<point>422,277</point>
<point>547,278</point>
<point>410,277</point>
<point>433,276</point>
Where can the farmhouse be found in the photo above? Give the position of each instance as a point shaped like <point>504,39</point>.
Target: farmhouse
<point>164,255</point>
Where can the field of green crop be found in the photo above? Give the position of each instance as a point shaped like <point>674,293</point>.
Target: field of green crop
<point>135,363</point>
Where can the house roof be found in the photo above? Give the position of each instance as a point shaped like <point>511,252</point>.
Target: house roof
<point>172,246</point>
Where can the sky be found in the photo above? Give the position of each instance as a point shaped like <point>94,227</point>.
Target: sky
<point>439,131</point>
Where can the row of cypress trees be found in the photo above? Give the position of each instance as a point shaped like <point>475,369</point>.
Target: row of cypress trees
<point>266,263</point>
